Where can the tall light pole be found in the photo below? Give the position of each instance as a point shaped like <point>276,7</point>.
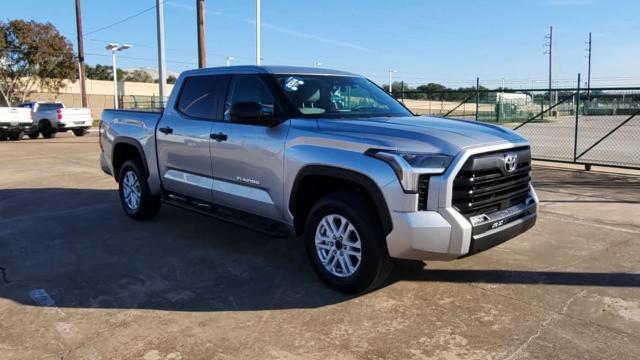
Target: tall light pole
<point>391,71</point>
<point>162,70</point>
<point>549,52</point>
<point>114,48</point>
<point>258,32</point>
<point>228,60</point>
<point>589,68</point>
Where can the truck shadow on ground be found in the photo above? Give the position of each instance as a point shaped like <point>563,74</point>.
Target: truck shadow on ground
<point>79,247</point>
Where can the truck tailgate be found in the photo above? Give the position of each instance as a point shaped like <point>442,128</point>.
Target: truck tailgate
<point>73,115</point>
<point>15,116</point>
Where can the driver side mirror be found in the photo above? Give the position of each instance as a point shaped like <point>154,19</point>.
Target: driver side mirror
<point>252,113</point>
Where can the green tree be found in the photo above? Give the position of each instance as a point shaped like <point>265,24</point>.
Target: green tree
<point>431,87</point>
<point>171,79</point>
<point>33,53</point>
<point>139,76</point>
<point>104,72</point>
<point>98,72</point>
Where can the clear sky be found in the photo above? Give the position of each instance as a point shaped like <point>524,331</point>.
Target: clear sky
<point>450,42</point>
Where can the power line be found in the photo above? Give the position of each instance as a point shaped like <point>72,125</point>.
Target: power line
<point>123,20</point>
<point>184,51</point>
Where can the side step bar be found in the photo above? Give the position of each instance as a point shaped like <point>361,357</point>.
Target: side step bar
<point>250,221</point>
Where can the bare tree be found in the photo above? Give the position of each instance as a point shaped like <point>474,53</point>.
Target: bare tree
<point>33,53</point>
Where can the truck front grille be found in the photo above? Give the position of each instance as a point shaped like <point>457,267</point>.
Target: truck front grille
<point>484,184</point>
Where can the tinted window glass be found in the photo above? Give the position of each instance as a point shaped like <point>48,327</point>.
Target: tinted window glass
<point>48,107</point>
<point>199,96</point>
<point>249,88</point>
<point>331,96</point>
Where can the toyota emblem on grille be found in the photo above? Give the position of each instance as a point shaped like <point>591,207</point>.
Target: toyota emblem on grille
<point>510,162</point>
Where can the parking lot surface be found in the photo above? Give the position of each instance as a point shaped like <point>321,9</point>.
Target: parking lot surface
<point>79,280</point>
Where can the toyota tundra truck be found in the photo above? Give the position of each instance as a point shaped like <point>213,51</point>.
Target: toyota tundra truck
<point>326,155</point>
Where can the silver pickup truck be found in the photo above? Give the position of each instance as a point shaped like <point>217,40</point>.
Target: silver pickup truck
<point>327,155</point>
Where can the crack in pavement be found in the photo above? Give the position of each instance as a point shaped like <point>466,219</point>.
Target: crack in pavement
<point>544,324</point>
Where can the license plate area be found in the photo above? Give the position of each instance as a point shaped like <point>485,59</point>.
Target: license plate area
<point>497,219</point>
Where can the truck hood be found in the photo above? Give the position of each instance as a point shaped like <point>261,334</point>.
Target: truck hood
<point>420,133</point>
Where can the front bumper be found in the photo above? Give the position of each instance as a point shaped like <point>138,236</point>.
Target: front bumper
<point>441,232</point>
<point>428,235</point>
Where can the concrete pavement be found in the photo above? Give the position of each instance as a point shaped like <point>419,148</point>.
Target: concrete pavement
<point>79,280</point>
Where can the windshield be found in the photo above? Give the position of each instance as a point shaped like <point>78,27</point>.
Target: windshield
<point>326,96</point>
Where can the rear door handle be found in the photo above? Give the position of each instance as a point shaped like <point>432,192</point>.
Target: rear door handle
<point>166,130</point>
<point>219,136</point>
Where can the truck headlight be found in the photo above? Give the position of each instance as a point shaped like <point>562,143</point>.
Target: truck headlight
<point>408,166</point>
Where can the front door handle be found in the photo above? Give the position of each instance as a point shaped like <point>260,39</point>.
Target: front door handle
<point>219,136</point>
<point>166,130</point>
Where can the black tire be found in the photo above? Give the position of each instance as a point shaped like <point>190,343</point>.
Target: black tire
<point>46,130</point>
<point>148,205</point>
<point>375,263</point>
<point>33,135</point>
<point>16,136</point>
<point>79,132</point>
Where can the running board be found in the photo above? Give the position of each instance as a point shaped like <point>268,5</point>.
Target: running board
<point>250,221</point>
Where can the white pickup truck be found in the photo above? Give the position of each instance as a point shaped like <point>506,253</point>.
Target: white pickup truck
<point>52,117</point>
<point>14,122</point>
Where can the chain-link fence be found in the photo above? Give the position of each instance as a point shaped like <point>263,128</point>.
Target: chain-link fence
<point>595,126</point>
<point>141,103</point>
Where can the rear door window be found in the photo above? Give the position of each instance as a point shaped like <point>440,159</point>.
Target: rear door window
<point>201,96</point>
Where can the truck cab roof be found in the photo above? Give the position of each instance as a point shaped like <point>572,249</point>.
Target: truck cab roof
<point>268,69</point>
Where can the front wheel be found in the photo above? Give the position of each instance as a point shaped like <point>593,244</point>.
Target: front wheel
<point>34,135</point>
<point>345,243</point>
<point>79,132</point>
<point>135,197</point>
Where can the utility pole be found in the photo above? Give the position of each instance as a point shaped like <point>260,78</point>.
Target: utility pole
<point>549,51</point>
<point>162,70</point>
<point>228,60</point>
<point>202,51</point>
<point>81,69</point>
<point>258,32</point>
<point>589,68</point>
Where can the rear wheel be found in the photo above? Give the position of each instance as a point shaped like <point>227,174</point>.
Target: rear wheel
<point>16,136</point>
<point>46,130</point>
<point>33,135</point>
<point>135,197</point>
<point>79,132</point>
<point>345,243</point>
